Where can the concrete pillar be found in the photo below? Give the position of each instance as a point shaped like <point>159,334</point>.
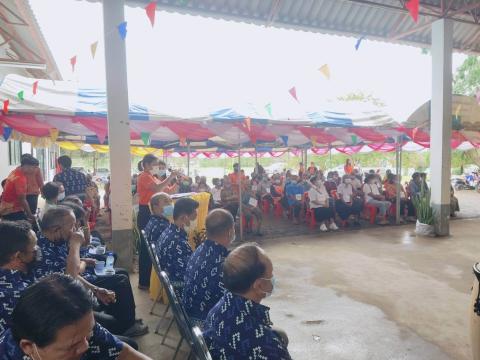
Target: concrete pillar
<point>118,133</point>
<point>441,123</point>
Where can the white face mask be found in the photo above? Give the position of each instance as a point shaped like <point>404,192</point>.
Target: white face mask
<point>273,282</point>
<point>155,170</point>
<point>191,227</point>
<point>348,181</point>
<point>61,196</point>
<point>233,236</point>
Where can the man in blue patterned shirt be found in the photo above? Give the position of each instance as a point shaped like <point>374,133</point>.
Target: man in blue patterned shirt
<point>238,327</point>
<point>173,250</point>
<point>53,319</point>
<point>161,206</point>
<point>73,181</point>
<point>204,275</point>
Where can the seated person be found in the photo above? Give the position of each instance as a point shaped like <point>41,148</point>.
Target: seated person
<point>161,208</point>
<point>173,250</point>
<point>229,197</point>
<point>202,185</point>
<point>374,198</point>
<point>60,245</point>
<point>347,203</point>
<point>454,204</point>
<point>185,185</point>
<point>216,193</point>
<point>52,192</point>
<point>391,195</point>
<point>53,319</point>
<point>248,277</point>
<point>415,187</point>
<point>320,205</point>
<point>251,210</point>
<point>204,276</point>
<point>294,192</point>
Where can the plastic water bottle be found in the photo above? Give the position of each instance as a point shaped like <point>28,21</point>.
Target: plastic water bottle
<point>110,261</point>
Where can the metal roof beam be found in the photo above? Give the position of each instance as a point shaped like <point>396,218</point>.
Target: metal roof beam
<point>20,22</point>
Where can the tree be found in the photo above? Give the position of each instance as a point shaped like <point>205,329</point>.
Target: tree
<point>361,96</point>
<point>467,78</point>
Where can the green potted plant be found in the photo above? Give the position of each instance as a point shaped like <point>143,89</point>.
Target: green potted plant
<point>425,219</point>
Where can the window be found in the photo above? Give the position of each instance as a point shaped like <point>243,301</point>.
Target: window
<point>14,152</point>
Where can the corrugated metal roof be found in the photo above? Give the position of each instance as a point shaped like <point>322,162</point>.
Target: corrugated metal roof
<point>385,20</point>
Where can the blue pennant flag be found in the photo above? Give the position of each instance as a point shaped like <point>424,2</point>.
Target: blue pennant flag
<point>7,132</point>
<point>284,139</point>
<point>122,30</point>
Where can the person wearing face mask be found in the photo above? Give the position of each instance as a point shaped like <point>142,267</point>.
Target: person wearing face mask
<point>162,209</point>
<point>374,198</point>
<point>148,183</point>
<point>320,205</point>
<point>52,193</point>
<point>248,277</point>
<point>173,249</point>
<point>53,319</point>
<point>348,204</point>
<point>294,193</point>
<point>229,198</point>
<point>205,267</point>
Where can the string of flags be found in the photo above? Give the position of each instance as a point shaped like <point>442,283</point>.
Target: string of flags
<point>413,7</point>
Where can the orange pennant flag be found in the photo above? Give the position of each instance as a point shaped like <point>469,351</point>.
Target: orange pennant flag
<point>314,141</point>
<point>73,62</point>
<point>35,87</point>
<point>5,106</point>
<point>183,141</point>
<point>53,134</point>
<point>325,70</point>
<point>248,123</point>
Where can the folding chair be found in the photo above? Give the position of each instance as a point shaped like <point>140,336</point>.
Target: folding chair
<point>199,348</point>
<point>179,314</point>
<point>156,266</point>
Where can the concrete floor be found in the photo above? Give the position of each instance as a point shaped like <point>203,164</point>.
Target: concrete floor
<point>379,293</point>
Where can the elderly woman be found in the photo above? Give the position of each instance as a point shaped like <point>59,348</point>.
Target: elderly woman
<point>319,203</point>
<point>391,195</point>
<point>454,205</point>
<point>348,202</point>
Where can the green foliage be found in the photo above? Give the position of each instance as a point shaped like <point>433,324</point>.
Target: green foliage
<point>423,208</point>
<point>361,96</point>
<point>467,78</point>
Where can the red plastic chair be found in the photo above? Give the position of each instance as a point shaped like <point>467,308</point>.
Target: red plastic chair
<point>265,206</point>
<point>372,212</point>
<point>278,208</point>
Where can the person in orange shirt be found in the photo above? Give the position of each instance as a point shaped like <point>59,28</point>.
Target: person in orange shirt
<point>34,184</point>
<point>148,184</point>
<point>14,205</point>
<point>348,167</point>
<point>235,177</point>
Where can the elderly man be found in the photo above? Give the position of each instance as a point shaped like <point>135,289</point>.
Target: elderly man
<point>60,245</point>
<point>53,319</point>
<point>173,250</point>
<point>162,208</point>
<point>239,326</point>
<point>204,275</point>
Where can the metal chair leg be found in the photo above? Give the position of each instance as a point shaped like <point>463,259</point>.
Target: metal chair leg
<point>161,319</point>
<point>178,348</point>
<point>168,329</point>
<point>155,302</point>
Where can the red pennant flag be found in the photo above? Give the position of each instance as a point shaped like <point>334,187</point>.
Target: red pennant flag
<point>150,10</point>
<point>248,123</point>
<point>414,133</point>
<point>293,92</point>
<point>5,106</point>
<point>413,7</point>
<point>73,62</point>
<point>35,87</point>
<point>183,141</point>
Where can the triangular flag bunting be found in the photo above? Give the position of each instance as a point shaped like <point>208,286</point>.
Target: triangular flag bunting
<point>284,139</point>
<point>93,49</point>
<point>314,141</point>
<point>325,70</point>
<point>359,41</point>
<point>20,95</point>
<point>7,131</point>
<point>53,134</point>
<point>35,87</point>
<point>413,7</point>
<point>414,133</point>
<point>73,62</point>
<point>354,139</point>
<point>293,92</point>
<point>5,106</point>
<point>183,141</point>
<point>122,30</point>
<point>145,138</point>
<point>268,107</point>
<point>248,124</point>
<point>150,10</point>
<point>459,107</point>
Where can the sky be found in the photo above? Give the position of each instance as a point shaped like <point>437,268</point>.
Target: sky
<point>188,65</point>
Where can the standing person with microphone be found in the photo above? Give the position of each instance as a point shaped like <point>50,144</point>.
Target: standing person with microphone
<point>148,184</point>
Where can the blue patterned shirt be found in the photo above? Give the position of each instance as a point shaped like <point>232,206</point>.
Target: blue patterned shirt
<point>174,251</point>
<point>54,259</point>
<point>155,227</point>
<point>204,280</point>
<point>73,181</point>
<point>12,284</point>
<point>238,328</point>
<point>102,346</point>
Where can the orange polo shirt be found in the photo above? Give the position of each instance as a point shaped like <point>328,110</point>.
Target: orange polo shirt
<point>145,183</point>
<point>16,185</point>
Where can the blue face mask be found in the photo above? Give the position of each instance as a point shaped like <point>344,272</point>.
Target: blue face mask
<point>168,211</point>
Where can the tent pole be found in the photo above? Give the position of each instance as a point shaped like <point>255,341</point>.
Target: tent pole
<point>398,172</point>
<point>240,207</point>
<point>188,159</point>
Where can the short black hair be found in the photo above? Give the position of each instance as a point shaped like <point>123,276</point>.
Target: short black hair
<point>218,222</point>
<point>148,159</point>
<point>54,216</point>
<point>28,160</point>
<point>13,238</point>
<point>140,165</point>
<point>65,161</point>
<point>49,305</point>
<point>78,211</point>
<point>73,199</point>
<point>184,206</point>
<point>242,267</point>
<point>51,190</point>
<point>4,181</point>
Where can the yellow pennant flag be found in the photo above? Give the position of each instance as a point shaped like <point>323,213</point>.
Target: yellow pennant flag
<point>93,49</point>
<point>459,107</point>
<point>314,141</point>
<point>53,134</point>
<point>325,70</point>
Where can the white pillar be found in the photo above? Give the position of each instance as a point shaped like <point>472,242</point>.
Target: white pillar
<point>118,132</point>
<point>441,123</point>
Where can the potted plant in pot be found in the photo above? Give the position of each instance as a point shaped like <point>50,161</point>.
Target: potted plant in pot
<point>425,220</point>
